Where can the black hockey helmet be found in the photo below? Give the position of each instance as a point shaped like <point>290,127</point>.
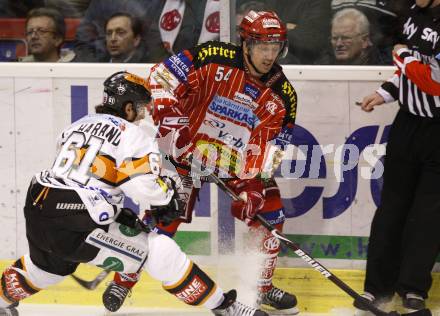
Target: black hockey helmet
<point>123,87</point>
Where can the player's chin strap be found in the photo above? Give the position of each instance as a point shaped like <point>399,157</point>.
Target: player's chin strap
<point>315,264</point>
<point>248,56</point>
<point>253,65</point>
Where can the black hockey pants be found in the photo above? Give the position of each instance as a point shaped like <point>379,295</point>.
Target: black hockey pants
<point>405,232</point>
<point>57,224</point>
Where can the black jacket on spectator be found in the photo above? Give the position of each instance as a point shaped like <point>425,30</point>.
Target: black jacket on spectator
<point>310,35</point>
<point>18,9</point>
<point>69,8</point>
<point>140,55</point>
<point>372,57</point>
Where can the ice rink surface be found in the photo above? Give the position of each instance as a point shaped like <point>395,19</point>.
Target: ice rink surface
<point>74,310</point>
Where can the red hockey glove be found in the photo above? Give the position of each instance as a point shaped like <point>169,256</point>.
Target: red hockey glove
<point>173,135</point>
<point>177,128</point>
<point>174,132</point>
<point>251,191</point>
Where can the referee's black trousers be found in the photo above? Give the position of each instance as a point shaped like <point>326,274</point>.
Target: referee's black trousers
<point>405,232</point>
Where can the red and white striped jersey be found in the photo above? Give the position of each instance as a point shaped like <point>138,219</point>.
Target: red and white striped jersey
<point>232,116</point>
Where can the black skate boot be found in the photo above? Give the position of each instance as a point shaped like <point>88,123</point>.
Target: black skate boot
<point>114,296</point>
<point>362,310</point>
<point>283,302</point>
<point>413,302</point>
<point>230,307</point>
<point>9,311</point>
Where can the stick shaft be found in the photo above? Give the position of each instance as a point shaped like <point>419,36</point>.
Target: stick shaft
<point>301,253</point>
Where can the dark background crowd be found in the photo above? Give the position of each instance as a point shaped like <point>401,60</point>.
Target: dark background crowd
<point>320,32</point>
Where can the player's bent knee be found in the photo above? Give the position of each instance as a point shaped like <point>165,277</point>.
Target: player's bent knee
<point>23,279</point>
<point>166,261</point>
<point>37,276</point>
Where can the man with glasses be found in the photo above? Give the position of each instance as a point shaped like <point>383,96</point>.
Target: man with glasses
<point>383,17</point>
<point>350,41</point>
<point>45,32</point>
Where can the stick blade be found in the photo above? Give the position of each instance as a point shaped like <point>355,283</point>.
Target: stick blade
<point>422,312</point>
<point>93,284</point>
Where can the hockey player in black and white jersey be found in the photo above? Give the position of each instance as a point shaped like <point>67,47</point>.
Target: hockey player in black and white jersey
<point>74,210</point>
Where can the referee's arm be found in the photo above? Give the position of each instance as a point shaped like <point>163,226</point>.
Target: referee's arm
<point>425,76</point>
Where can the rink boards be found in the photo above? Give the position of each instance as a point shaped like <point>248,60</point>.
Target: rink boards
<point>325,178</point>
<point>329,199</point>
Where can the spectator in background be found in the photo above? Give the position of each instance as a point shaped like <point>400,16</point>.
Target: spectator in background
<point>350,41</point>
<point>45,31</point>
<point>90,43</point>
<point>69,8</point>
<point>123,35</point>
<point>18,9</point>
<point>307,24</point>
<point>168,26</point>
<point>242,10</point>
<point>383,17</point>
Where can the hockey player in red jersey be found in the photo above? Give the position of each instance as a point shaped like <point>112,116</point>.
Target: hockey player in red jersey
<point>224,105</point>
<point>74,209</point>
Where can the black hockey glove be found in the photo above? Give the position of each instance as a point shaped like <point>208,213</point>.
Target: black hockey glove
<point>130,219</point>
<point>166,214</point>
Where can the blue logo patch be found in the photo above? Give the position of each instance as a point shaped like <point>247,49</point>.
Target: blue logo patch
<point>251,91</point>
<point>274,217</point>
<point>234,111</point>
<point>437,57</point>
<point>179,65</point>
<point>284,137</point>
<point>114,121</point>
<point>103,216</point>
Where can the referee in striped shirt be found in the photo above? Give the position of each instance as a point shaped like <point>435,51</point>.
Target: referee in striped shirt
<point>405,234</point>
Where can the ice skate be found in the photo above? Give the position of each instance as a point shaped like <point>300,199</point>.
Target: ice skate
<point>413,302</point>
<point>231,307</point>
<point>114,296</point>
<point>8,311</point>
<point>283,303</point>
<point>361,309</point>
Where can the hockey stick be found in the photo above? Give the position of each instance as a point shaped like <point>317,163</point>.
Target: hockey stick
<point>312,262</point>
<point>93,284</point>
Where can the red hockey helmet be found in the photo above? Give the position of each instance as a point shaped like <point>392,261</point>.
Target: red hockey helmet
<point>264,26</point>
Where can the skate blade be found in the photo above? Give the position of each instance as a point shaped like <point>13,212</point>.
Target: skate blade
<point>359,312</point>
<point>275,312</point>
